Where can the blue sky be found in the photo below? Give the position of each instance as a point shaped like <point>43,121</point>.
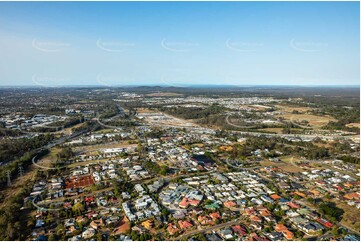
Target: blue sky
<point>179,43</point>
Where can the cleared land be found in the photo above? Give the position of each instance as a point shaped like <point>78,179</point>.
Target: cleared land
<point>351,216</point>
<point>272,130</point>
<point>290,109</point>
<point>157,118</point>
<point>313,120</point>
<point>291,166</point>
<point>353,125</point>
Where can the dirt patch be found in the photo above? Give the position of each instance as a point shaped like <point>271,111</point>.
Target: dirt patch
<point>226,148</point>
<point>353,125</point>
<point>123,228</point>
<point>161,119</point>
<point>94,149</point>
<point>79,181</point>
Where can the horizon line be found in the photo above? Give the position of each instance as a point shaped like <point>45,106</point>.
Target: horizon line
<point>183,86</point>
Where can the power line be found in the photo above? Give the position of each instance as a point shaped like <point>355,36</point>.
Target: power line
<point>8,174</point>
<point>21,171</point>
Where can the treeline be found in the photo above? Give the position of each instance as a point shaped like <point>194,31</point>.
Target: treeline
<point>302,149</point>
<point>155,133</point>
<point>13,167</point>
<point>14,223</point>
<point>350,159</point>
<point>193,112</point>
<point>344,116</point>
<point>155,168</point>
<point>69,122</point>
<point>11,225</point>
<point>331,211</point>
<point>57,126</point>
<point>109,110</point>
<point>9,132</point>
<point>15,148</point>
<point>122,186</point>
<point>64,154</point>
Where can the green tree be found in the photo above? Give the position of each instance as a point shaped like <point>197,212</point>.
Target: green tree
<point>78,208</point>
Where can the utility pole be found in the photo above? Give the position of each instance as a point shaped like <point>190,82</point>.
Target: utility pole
<point>9,177</point>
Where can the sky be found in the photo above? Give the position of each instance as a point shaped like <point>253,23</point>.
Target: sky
<point>179,43</point>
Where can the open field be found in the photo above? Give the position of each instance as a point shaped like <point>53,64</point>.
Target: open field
<point>68,130</point>
<point>292,168</point>
<point>158,118</point>
<point>272,130</point>
<point>351,216</point>
<point>17,185</point>
<point>290,109</point>
<point>289,158</point>
<point>313,120</point>
<point>95,148</point>
<point>291,165</point>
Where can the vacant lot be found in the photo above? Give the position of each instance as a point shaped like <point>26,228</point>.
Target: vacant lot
<point>80,181</point>
<point>291,165</point>
<point>94,149</point>
<point>351,217</point>
<point>157,118</point>
<point>124,227</point>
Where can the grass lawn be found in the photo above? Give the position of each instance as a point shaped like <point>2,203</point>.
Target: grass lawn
<point>291,165</point>
<point>272,130</point>
<point>268,163</point>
